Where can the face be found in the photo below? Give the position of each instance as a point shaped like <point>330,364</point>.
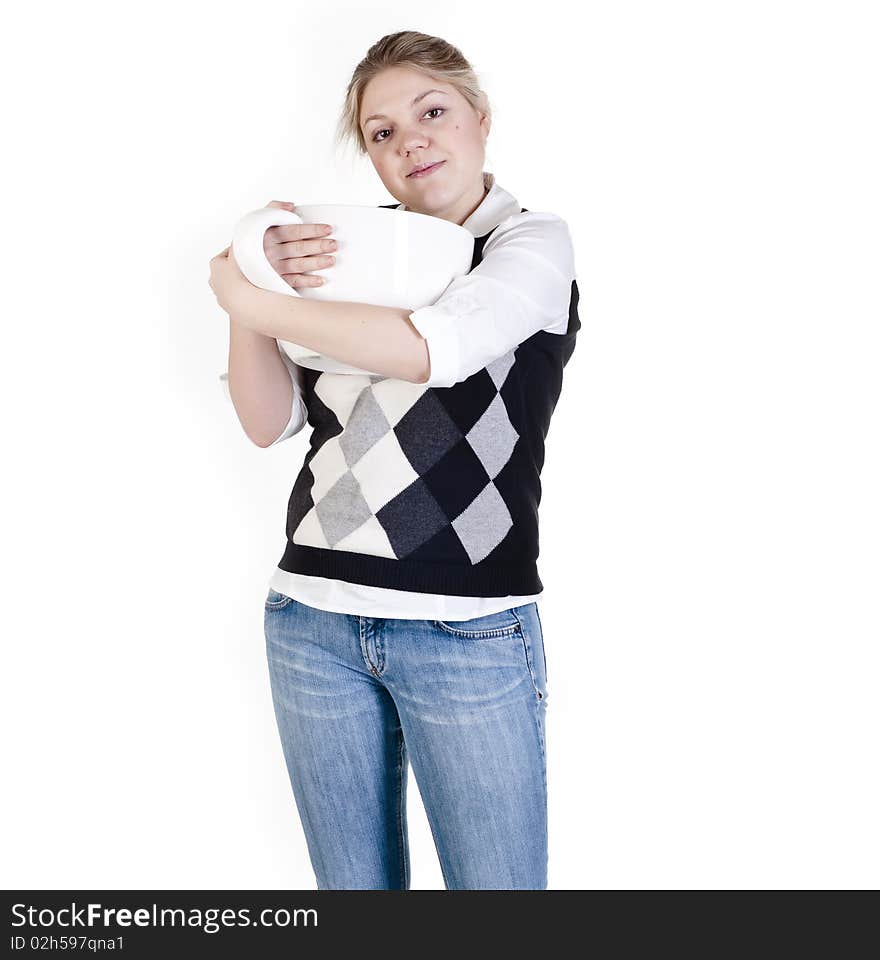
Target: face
<point>401,134</point>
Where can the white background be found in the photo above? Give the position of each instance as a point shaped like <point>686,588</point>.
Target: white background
<point>709,517</point>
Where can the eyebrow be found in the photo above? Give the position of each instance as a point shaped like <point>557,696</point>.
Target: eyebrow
<point>421,96</point>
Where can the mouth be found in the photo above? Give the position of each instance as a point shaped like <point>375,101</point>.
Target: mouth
<point>426,171</point>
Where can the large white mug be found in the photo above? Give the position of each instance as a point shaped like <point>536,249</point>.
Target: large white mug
<point>386,257</point>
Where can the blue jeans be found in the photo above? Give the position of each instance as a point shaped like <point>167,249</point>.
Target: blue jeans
<point>357,697</point>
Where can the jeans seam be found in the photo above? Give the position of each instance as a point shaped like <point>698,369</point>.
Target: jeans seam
<point>480,634</point>
<point>543,646</point>
<point>401,810</point>
<point>528,652</point>
<point>538,704</point>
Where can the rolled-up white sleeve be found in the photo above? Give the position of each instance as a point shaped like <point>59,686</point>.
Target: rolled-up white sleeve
<point>299,413</point>
<point>522,285</point>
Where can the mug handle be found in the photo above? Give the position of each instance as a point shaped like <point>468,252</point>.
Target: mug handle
<point>247,247</point>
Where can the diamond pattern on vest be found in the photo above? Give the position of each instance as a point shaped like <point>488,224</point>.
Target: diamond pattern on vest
<point>406,463</point>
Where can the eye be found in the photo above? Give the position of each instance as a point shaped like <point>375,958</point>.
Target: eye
<point>377,139</point>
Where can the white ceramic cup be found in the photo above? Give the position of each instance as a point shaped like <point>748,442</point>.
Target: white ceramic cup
<point>387,257</point>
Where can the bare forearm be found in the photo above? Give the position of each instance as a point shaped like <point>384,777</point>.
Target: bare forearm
<point>380,339</point>
<point>259,384</point>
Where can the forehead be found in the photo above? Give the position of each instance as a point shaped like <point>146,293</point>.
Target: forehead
<point>395,88</point>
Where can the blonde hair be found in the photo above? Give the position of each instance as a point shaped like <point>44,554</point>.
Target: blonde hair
<point>432,56</point>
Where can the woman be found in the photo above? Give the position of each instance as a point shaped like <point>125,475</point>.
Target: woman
<point>402,621</point>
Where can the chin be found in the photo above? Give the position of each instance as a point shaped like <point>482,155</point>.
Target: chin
<point>436,192</point>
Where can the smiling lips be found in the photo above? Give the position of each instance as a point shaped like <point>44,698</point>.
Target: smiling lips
<point>427,171</point>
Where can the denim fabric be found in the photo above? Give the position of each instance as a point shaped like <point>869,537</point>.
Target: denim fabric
<point>357,698</point>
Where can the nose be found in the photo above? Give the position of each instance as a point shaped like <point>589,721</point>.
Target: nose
<point>413,140</point>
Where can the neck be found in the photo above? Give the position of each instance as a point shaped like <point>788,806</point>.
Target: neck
<point>484,190</point>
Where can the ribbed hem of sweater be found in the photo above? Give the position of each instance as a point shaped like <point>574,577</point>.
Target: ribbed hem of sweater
<point>479,580</point>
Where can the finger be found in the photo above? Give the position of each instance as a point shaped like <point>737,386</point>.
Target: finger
<point>286,232</point>
<point>302,264</point>
<point>303,249</point>
<point>296,280</point>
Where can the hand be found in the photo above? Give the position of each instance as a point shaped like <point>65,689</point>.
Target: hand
<point>293,249</point>
<point>229,284</point>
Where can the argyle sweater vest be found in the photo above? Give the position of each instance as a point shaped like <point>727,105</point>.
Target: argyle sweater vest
<point>429,489</point>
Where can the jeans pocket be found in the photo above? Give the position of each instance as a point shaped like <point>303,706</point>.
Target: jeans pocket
<point>533,650</point>
<point>543,650</point>
<point>500,624</point>
<point>276,600</point>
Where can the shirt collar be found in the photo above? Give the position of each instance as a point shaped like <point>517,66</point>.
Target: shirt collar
<point>496,205</point>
